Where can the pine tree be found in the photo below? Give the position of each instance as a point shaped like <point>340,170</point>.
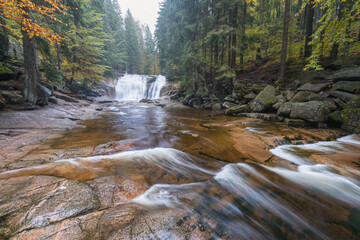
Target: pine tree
<point>132,44</point>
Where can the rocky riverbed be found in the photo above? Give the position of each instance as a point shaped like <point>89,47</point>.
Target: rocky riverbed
<point>140,171</point>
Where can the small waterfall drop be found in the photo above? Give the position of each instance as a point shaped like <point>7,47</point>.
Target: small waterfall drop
<point>137,87</point>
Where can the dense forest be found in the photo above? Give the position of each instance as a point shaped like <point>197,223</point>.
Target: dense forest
<point>81,40</point>
<point>208,42</point>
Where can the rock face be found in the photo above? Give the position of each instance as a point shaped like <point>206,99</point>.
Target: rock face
<point>38,201</point>
<point>313,111</point>
<point>265,100</point>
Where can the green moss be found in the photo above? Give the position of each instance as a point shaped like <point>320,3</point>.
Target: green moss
<point>5,70</point>
<point>255,89</point>
<point>238,86</point>
<point>355,103</point>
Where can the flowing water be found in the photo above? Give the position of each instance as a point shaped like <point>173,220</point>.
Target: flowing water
<point>188,160</point>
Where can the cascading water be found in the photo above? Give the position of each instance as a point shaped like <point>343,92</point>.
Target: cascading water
<point>137,87</point>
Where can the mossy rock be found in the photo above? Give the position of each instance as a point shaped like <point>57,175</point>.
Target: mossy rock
<point>264,100</point>
<point>255,90</point>
<point>216,107</point>
<point>354,103</point>
<point>11,85</point>
<point>5,73</point>
<point>236,110</point>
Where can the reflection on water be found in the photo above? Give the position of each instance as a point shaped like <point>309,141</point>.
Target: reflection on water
<point>188,160</point>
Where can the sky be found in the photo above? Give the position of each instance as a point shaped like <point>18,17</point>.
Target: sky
<point>145,11</point>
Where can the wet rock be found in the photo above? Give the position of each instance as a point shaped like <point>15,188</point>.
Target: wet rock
<point>347,86</point>
<point>294,122</point>
<point>349,74</point>
<point>113,190</point>
<point>304,96</point>
<point>313,111</point>
<point>236,110</point>
<point>265,100</point>
<point>38,201</point>
<point>314,87</point>
<point>228,104</point>
<point>346,97</point>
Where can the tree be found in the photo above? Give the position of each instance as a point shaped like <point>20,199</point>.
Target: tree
<point>28,15</point>
<point>132,44</point>
<point>285,40</point>
<point>150,58</point>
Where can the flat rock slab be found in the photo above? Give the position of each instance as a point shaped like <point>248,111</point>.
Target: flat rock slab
<point>314,87</point>
<point>38,201</point>
<point>347,86</point>
<point>346,97</point>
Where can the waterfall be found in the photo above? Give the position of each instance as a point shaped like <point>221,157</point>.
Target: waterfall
<point>137,87</point>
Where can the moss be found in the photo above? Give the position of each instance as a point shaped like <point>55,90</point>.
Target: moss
<point>5,70</point>
<point>255,89</point>
<point>355,103</point>
<point>238,86</point>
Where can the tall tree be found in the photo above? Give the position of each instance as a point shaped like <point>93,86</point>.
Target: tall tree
<point>132,44</point>
<point>309,28</point>
<point>285,39</point>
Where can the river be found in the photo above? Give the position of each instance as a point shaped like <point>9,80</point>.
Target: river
<point>208,176</point>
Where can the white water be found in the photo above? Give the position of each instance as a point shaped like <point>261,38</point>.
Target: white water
<point>136,87</point>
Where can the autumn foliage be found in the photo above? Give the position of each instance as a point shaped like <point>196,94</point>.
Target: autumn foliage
<point>23,12</point>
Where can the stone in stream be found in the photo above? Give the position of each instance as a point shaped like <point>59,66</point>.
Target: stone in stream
<point>236,110</point>
<point>265,100</point>
<point>38,201</point>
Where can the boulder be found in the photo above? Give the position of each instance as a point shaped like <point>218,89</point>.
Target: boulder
<point>279,103</point>
<point>264,100</point>
<point>289,95</point>
<point>354,103</point>
<point>65,97</point>
<point>228,104</point>
<point>346,97</point>
<point>349,74</point>
<point>285,109</point>
<point>313,111</point>
<point>250,96</point>
<point>305,96</point>
<point>12,97</point>
<point>44,94</point>
<point>336,117</point>
<point>340,103</point>
<point>351,118</point>
<point>347,86</point>
<point>314,87</point>
<point>236,110</point>
<point>216,107</point>
<point>330,104</point>
<point>53,99</point>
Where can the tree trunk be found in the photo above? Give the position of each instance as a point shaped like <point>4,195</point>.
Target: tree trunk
<point>31,68</point>
<point>242,33</point>
<point>309,29</point>
<point>285,40</point>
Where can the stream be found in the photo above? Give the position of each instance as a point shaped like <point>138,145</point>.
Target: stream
<point>202,176</point>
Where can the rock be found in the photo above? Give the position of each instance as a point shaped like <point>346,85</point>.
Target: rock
<point>22,107</point>
<point>228,104</point>
<point>347,86</point>
<point>346,97</point>
<point>216,107</point>
<point>65,97</point>
<point>5,73</point>
<point>314,87</point>
<point>265,100</point>
<point>340,103</point>
<point>11,85</point>
<point>304,96</point>
<point>99,109</point>
<point>229,98</point>
<point>313,111</point>
<point>279,103</point>
<point>38,201</point>
<point>106,101</point>
<point>351,118</point>
<point>44,94</point>
<point>236,110</point>
<point>295,122</point>
<point>336,117</point>
<point>174,97</point>
<point>250,96</point>
<point>349,74</point>
<point>322,125</point>
<point>354,103</point>
<point>330,104</point>
<point>53,99</point>
<point>285,109</point>
<point>290,95</point>
<point>2,102</point>
<point>12,97</point>
<point>335,65</point>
